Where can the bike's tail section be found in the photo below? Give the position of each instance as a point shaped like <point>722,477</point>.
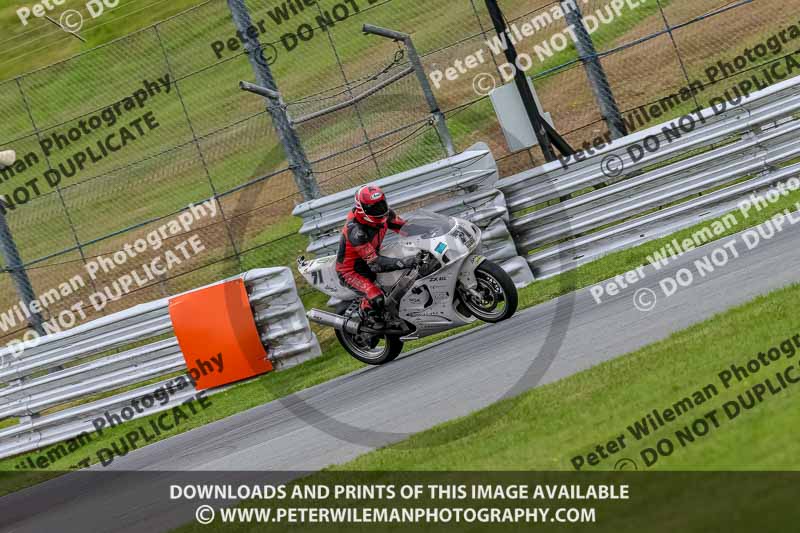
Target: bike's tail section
<point>321,274</point>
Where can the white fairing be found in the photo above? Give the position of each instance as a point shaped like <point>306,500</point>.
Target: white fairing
<point>430,303</point>
<point>321,274</point>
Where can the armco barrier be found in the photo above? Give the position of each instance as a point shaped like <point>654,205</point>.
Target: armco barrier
<point>84,368</point>
<point>727,156</point>
<point>462,185</point>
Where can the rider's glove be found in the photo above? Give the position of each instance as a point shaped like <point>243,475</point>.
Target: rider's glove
<point>408,262</point>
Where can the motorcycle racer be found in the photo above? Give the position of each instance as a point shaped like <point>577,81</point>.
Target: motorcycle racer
<point>358,261</point>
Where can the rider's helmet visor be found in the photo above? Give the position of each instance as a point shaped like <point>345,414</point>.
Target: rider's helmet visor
<point>378,209</point>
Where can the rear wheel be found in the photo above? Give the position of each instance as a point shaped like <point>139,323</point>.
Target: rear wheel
<point>371,349</point>
<point>495,297</point>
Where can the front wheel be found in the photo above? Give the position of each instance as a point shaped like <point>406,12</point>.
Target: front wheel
<point>371,349</point>
<point>495,297</point>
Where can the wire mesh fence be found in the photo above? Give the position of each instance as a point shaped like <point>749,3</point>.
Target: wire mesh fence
<point>117,142</point>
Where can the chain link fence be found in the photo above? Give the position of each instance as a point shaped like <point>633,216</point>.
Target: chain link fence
<point>117,142</point>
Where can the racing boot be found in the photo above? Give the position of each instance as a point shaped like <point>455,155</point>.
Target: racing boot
<point>371,312</point>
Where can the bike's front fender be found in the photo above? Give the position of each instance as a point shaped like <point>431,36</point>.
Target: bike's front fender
<point>467,274</point>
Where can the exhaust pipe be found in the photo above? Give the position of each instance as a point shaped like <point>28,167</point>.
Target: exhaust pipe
<point>334,321</point>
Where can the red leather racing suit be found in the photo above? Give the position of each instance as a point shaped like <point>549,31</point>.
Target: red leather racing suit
<point>358,260</point>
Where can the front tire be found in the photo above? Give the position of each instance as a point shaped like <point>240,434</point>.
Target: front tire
<point>497,299</point>
<point>371,350</point>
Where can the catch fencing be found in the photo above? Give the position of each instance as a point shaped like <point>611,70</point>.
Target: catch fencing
<point>116,366</point>
<point>193,135</point>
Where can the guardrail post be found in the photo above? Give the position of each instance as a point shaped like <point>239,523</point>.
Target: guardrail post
<point>295,154</point>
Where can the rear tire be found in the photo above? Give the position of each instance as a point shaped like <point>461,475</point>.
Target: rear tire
<point>391,344</point>
<point>387,349</point>
<point>497,288</point>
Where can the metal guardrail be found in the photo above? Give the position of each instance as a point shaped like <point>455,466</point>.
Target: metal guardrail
<point>83,367</point>
<point>726,157</point>
<point>462,185</point>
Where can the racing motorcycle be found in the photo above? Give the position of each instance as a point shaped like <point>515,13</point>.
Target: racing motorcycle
<point>451,286</point>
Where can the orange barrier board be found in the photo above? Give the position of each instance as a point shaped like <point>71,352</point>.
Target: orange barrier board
<point>217,335</point>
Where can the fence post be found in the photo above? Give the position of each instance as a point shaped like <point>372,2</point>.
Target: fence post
<point>296,156</point>
<point>440,122</point>
<point>594,70</point>
<point>521,81</point>
<point>17,270</point>
<point>438,116</point>
<point>14,264</point>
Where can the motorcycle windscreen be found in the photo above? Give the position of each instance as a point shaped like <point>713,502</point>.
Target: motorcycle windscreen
<point>425,225</point>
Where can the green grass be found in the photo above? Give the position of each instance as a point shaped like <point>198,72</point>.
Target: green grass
<point>40,43</point>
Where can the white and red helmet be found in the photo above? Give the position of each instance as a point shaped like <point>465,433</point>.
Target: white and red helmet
<point>371,206</point>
